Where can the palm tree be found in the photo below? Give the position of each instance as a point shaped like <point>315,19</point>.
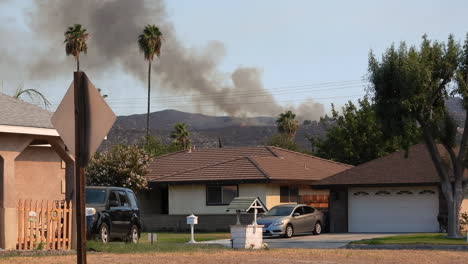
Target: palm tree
<point>32,94</point>
<point>75,42</point>
<point>287,124</point>
<point>181,135</point>
<point>150,42</point>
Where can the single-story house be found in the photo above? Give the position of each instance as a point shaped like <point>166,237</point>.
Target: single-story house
<point>204,181</point>
<point>389,194</point>
<point>34,163</point>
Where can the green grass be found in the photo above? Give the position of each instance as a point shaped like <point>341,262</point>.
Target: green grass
<point>429,238</point>
<point>166,242</point>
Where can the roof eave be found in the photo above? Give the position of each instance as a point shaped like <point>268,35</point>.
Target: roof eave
<point>28,130</point>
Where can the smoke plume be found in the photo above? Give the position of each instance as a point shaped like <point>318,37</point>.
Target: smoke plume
<point>114,26</point>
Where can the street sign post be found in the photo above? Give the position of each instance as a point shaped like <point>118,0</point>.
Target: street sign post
<point>82,120</point>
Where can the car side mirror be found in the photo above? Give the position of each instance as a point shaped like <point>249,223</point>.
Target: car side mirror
<point>113,203</point>
<point>296,214</point>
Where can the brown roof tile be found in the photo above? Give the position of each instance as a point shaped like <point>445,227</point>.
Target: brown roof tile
<point>242,163</point>
<point>394,168</point>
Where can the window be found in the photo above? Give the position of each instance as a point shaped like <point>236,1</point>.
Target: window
<point>133,200</point>
<point>124,199</point>
<point>288,194</point>
<point>221,194</point>
<point>427,192</point>
<point>95,196</point>
<point>299,210</point>
<point>113,199</point>
<point>404,192</point>
<point>382,193</point>
<point>361,193</point>
<point>308,210</point>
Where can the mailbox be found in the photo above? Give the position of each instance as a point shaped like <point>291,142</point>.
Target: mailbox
<point>192,220</point>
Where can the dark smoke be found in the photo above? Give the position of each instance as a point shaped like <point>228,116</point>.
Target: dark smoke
<point>114,26</point>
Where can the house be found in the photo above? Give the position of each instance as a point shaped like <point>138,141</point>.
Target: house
<point>389,194</point>
<point>33,162</point>
<point>204,181</point>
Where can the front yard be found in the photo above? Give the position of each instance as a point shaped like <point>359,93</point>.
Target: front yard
<point>273,256</point>
<point>430,238</point>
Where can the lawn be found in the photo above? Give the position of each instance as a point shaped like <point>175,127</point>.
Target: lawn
<point>429,238</point>
<point>166,242</point>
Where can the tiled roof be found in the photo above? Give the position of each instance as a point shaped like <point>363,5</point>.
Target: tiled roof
<point>240,164</point>
<point>394,168</point>
<point>14,112</point>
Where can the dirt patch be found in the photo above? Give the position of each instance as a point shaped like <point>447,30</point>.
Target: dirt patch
<point>276,256</point>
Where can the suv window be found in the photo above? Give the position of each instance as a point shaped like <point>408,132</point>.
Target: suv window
<point>124,199</point>
<point>133,201</point>
<point>113,198</point>
<point>308,210</point>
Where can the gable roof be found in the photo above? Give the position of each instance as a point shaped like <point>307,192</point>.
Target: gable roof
<point>14,112</point>
<point>240,164</point>
<point>394,168</point>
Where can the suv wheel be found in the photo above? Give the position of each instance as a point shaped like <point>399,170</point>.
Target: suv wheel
<point>317,228</point>
<point>104,233</point>
<point>133,237</point>
<point>289,231</point>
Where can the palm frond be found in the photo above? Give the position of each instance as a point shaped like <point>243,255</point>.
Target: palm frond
<point>33,94</point>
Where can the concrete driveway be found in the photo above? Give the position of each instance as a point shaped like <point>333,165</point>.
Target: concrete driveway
<point>321,241</point>
<point>310,241</point>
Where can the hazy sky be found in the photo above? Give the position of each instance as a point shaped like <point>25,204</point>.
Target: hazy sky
<point>294,43</point>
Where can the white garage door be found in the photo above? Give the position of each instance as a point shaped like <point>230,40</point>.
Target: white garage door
<point>393,210</point>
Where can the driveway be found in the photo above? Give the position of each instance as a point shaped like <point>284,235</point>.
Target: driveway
<point>311,241</point>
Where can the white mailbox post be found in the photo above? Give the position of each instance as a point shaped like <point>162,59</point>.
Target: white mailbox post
<point>192,220</point>
<point>247,236</point>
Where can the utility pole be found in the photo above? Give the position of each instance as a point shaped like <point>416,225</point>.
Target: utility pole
<point>80,159</point>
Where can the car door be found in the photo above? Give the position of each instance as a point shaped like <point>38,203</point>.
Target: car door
<point>125,213</point>
<point>298,220</point>
<point>310,217</point>
<point>115,213</point>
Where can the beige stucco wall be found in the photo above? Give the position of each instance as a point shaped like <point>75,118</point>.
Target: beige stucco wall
<point>39,174</point>
<point>187,199</point>
<point>464,206</point>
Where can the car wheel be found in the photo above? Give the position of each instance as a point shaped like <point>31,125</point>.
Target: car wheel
<point>289,232</point>
<point>133,237</point>
<point>317,228</point>
<point>104,234</point>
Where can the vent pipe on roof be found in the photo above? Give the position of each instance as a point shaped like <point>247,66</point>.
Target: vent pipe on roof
<point>220,143</point>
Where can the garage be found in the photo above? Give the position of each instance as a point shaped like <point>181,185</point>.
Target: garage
<point>393,209</point>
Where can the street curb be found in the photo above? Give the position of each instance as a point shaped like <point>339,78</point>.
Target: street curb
<point>410,247</point>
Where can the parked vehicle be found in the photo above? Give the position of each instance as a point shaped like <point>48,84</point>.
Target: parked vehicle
<point>112,213</point>
<point>291,219</point>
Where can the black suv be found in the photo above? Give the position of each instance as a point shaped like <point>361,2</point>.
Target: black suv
<point>112,212</point>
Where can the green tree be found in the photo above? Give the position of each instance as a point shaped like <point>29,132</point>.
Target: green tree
<point>122,166</point>
<point>155,147</point>
<point>356,136</point>
<point>410,86</point>
<point>32,94</point>
<point>282,141</point>
<point>181,135</point>
<point>150,42</point>
<point>75,42</point>
<point>287,124</point>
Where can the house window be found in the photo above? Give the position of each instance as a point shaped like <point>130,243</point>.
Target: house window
<point>360,193</point>
<point>427,192</point>
<point>381,193</point>
<point>404,192</point>
<point>288,194</point>
<point>221,194</point>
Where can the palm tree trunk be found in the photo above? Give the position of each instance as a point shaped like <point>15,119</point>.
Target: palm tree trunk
<point>78,63</point>
<point>149,93</point>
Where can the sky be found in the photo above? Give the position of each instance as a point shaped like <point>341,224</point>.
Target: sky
<point>298,46</point>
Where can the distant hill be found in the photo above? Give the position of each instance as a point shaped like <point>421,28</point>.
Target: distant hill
<point>233,131</point>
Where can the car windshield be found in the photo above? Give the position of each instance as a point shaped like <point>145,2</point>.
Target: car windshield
<point>95,196</point>
<point>280,211</point>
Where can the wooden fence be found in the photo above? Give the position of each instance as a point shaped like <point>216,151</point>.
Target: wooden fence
<point>44,225</point>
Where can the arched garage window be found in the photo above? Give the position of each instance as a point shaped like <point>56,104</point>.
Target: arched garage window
<point>382,193</point>
<point>404,192</point>
<point>427,192</point>
<point>361,193</point>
